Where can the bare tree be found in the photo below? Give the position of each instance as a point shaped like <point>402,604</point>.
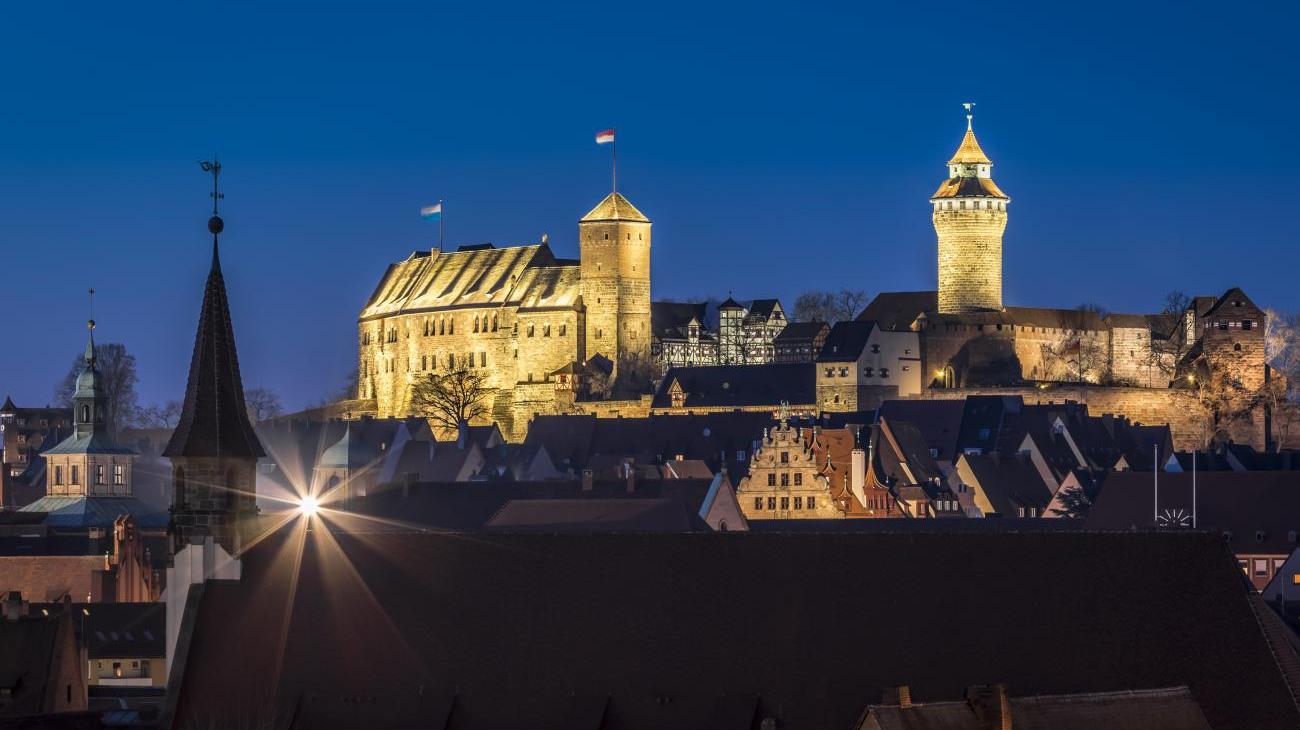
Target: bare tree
<point>166,415</point>
<point>262,404</point>
<point>1080,354</point>
<point>1221,399</point>
<point>828,306</point>
<point>117,376</point>
<point>1170,346</point>
<point>1282,345</point>
<point>450,399</point>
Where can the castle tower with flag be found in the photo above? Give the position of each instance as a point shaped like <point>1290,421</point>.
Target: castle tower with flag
<point>970,215</point>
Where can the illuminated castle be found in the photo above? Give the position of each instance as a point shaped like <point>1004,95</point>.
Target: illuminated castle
<point>532,324</point>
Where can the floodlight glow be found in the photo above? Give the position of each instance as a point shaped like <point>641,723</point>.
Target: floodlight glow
<point>309,505</point>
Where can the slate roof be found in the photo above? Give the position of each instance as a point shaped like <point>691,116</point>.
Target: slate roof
<point>1257,511</point>
<point>896,310</point>
<point>97,442</point>
<point>669,319</point>
<point>77,513</point>
<point>125,630</point>
<point>1235,294</point>
<point>214,420</point>
<point>763,308</point>
<point>845,341</point>
<point>739,386</point>
<point>615,207</point>
<point>646,626</point>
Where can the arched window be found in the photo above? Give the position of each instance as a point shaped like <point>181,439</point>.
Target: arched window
<point>476,324</point>
<point>85,412</point>
<point>494,323</point>
<point>451,326</point>
<point>442,326</point>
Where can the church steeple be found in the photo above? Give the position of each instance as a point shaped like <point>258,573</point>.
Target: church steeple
<point>89,401</point>
<point>214,450</point>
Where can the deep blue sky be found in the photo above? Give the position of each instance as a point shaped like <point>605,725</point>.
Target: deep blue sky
<point>777,147</point>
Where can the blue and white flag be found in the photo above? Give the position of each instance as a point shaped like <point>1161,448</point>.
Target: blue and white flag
<point>432,212</point>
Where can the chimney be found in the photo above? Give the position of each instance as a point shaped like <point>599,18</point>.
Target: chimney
<point>15,606</point>
<point>858,474</point>
<point>990,704</point>
<point>900,696</point>
<point>588,480</point>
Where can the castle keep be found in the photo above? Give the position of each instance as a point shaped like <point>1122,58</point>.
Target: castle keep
<point>970,214</point>
<point>527,321</point>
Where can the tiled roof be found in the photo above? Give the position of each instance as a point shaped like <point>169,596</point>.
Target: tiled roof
<point>763,308</point>
<point>523,276</point>
<point>969,151</point>
<point>669,319</point>
<point>739,386</point>
<point>520,625</point>
<point>968,187</point>
<point>938,421</point>
<point>1234,295</point>
<point>28,650</point>
<point>214,420</point>
<point>615,207</point>
<point>48,578</point>
<point>1146,709</point>
<point>1010,482</point>
<point>125,630</point>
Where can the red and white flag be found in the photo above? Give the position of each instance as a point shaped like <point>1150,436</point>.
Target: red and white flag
<point>605,137</point>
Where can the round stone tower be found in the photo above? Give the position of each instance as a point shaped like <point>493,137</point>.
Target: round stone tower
<point>614,245</point>
<point>970,214</point>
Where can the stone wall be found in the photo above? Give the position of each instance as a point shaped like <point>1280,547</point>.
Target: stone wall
<point>1150,406</point>
<point>970,258</point>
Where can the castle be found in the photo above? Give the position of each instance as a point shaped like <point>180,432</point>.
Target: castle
<point>531,324</point>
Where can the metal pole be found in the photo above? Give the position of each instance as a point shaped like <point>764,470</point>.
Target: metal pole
<point>441,214</point>
<point>613,148</point>
<point>1155,482</point>
<point>1193,489</point>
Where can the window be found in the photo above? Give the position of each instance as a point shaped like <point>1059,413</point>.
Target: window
<point>531,330</point>
<point>785,457</point>
<point>119,474</point>
<point>785,503</point>
<point>830,372</point>
<point>99,474</point>
<point>1261,567</point>
<point>546,330</point>
<point>785,480</point>
<point>564,330</point>
<point>758,503</point>
<point>868,372</point>
<point>482,359</point>
<point>771,480</point>
<point>1236,347</point>
<point>494,323</point>
<point>451,326</point>
<point>812,503</point>
<point>771,502</point>
<point>875,349</point>
<point>740,455</point>
<point>884,372</point>
<point>1021,510</point>
<point>798,479</point>
<point>58,475</point>
<point>76,475</point>
<point>798,502</point>
<point>476,324</point>
<point>844,372</point>
<point>1246,324</point>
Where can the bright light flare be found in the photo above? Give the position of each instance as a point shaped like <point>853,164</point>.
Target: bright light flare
<point>309,505</point>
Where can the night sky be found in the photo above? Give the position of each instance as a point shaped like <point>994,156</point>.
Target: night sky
<point>1146,147</point>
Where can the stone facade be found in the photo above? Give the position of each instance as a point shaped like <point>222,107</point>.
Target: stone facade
<point>516,315</point>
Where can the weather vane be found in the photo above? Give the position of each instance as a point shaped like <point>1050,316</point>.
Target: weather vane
<point>968,106</point>
<point>213,166</point>
<point>90,323</point>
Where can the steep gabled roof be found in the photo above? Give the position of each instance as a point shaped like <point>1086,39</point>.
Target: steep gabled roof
<point>846,340</point>
<point>1234,298</point>
<point>896,310</point>
<point>214,420</point>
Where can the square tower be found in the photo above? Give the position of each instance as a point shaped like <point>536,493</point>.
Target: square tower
<point>614,245</point>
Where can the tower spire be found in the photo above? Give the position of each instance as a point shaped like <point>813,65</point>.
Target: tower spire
<point>968,105</point>
<point>90,325</point>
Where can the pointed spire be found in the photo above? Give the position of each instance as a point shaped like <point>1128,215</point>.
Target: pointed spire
<point>214,419</point>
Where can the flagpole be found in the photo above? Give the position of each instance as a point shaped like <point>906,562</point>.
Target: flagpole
<point>613,148</point>
<point>1193,490</point>
<point>441,214</point>
<point>1155,485</point>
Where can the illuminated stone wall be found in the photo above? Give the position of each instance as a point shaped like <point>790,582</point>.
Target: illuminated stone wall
<point>970,258</point>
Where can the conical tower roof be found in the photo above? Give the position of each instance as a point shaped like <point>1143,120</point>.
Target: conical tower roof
<point>615,207</point>
<point>969,152</point>
<point>349,452</point>
<point>214,420</point>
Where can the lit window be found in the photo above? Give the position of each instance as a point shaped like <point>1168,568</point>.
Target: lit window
<point>119,474</point>
<point>798,502</point>
<point>812,503</point>
<point>1261,567</point>
<point>771,502</point>
<point>785,480</point>
<point>798,479</point>
<point>758,503</point>
<point>785,503</point>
